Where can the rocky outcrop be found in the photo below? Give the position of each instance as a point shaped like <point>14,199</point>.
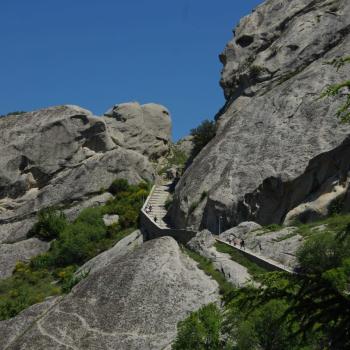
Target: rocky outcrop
<point>185,145</point>
<point>280,245</point>
<point>20,251</point>
<point>133,302</point>
<point>278,145</point>
<point>64,156</point>
<point>203,243</point>
<point>142,128</point>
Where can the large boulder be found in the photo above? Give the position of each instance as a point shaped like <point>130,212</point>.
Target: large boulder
<point>278,144</point>
<point>133,302</point>
<point>143,128</point>
<point>280,244</point>
<point>20,251</point>
<point>64,156</point>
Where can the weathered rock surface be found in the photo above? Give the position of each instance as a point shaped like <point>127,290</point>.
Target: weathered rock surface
<point>124,246</point>
<point>185,145</point>
<point>20,251</point>
<point>64,156</point>
<point>134,302</point>
<point>280,245</point>
<point>278,145</point>
<point>203,243</point>
<point>143,128</point>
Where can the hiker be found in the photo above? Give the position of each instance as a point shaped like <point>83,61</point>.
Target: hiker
<point>242,244</point>
<point>155,219</point>
<point>259,245</point>
<point>150,208</point>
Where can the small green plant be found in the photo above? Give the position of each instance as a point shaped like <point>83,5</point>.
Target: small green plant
<point>254,270</point>
<point>50,223</point>
<point>204,195</point>
<point>118,185</point>
<point>343,113</point>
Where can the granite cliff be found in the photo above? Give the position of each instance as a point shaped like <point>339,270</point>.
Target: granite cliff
<point>279,154</point>
<point>64,156</point>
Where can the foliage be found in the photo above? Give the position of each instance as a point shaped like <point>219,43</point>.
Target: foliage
<point>307,310</point>
<point>202,135</point>
<point>53,272</point>
<point>24,288</point>
<point>118,185</point>
<point>343,113</point>
<point>207,266</point>
<point>253,269</point>
<point>50,223</point>
<point>201,330</point>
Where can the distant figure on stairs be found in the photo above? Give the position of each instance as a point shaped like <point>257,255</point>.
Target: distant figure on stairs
<point>242,244</point>
<point>155,219</point>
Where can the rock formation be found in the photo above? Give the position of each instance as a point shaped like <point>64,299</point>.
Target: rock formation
<point>133,301</point>
<point>64,156</point>
<point>278,146</point>
<point>143,128</point>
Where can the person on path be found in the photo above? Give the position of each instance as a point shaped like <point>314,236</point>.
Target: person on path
<point>155,219</point>
<point>242,244</point>
<point>259,245</point>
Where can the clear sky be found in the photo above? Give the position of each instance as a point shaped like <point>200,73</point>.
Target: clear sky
<point>96,53</point>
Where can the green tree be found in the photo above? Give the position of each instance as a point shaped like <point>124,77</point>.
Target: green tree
<point>201,330</point>
<point>202,135</point>
<point>50,223</point>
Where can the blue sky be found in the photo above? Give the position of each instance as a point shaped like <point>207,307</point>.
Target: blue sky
<point>96,53</point>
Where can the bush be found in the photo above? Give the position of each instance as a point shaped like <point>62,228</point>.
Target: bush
<point>53,272</point>
<point>202,135</point>
<point>201,330</point>
<point>50,223</point>
<point>322,252</point>
<point>118,185</point>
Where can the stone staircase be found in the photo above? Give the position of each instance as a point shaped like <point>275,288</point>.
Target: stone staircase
<point>157,200</point>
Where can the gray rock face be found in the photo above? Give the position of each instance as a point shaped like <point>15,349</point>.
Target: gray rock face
<point>203,243</point>
<point>278,145</point>
<point>134,302</point>
<point>20,251</point>
<point>280,245</point>
<point>143,128</point>
<point>64,156</point>
<point>185,145</point>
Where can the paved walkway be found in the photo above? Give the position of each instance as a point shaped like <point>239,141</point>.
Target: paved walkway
<point>157,199</point>
<point>263,259</point>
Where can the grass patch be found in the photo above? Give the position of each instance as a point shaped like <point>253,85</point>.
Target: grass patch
<point>334,223</point>
<point>207,266</point>
<point>289,235</point>
<point>253,269</point>
<point>53,272</point>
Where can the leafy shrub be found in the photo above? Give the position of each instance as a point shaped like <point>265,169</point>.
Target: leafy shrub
<point>50,223</point>
<point>202,135</point>
<point>201,330</point>
<point>24,288</point>
<point>118,185</point>
<point>52,273</point>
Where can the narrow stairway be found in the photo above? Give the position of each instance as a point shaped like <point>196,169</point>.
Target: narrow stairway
<point>157,201</point>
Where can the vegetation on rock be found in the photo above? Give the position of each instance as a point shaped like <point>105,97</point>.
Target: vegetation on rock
<point>202,134</point>
<point>307,310</point>
<point>53,273</point>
